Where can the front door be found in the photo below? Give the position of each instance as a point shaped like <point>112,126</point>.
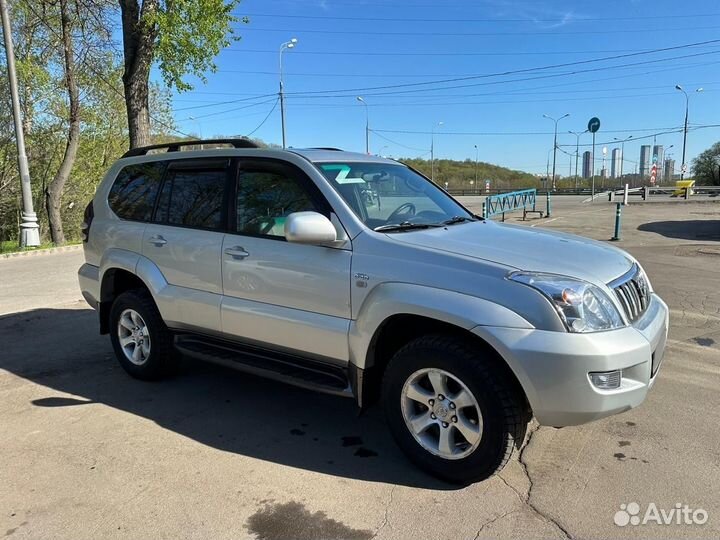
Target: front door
<point>290,296</point>
<point>185,240</point>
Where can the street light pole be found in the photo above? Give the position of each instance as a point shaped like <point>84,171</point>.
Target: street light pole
<point>622,153</point>
<point>432,151</point>
<point>367,125</point>
<point>685,130</point>
<point>555,143</point>
<point>29,231</point>
<point>577,152</point>
<point>287,45</point>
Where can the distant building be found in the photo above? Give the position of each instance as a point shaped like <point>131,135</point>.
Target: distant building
<point>659,158</point>
<point>587,164</point>
<point>669,170</point>
<point>645,160</point>
<point>616,163</point>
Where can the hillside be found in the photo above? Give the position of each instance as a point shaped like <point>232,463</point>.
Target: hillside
<point>459,174</point>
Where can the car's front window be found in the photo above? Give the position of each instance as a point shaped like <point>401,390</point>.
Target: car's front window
<point>384,195</point>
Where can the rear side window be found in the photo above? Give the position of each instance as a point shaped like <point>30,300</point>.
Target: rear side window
<point>132,196</point>
<point>193,198</point>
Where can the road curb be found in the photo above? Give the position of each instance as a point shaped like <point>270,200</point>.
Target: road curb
<point>47,251</point>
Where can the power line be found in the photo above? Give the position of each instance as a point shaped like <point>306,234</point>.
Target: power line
<point>463,20</point>
<point>529,70</point>
<point>433,53</point>
<point>258,96</point>
<point>228,110</point>
<point>265,119</point>
<point>553,32</point>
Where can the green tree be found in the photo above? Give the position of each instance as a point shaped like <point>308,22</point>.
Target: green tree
<point>706,167</point>
<point>182,36</point>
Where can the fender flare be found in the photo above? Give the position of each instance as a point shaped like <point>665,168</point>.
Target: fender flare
<point>458,309</point>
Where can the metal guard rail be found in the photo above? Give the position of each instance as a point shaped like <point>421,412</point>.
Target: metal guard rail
<point>508,202</point>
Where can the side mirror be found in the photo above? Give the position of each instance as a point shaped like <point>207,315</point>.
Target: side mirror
<point>309,228</point>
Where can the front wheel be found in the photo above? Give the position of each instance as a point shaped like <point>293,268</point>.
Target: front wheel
<point>452,408</point>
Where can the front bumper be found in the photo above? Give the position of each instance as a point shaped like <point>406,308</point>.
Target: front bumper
<point>553,367</point>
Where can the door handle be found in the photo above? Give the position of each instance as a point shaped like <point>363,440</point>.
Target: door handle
<point>237,252</point>
<point>157,240</point>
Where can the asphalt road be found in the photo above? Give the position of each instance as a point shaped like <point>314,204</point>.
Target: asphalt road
<point>87,452</point>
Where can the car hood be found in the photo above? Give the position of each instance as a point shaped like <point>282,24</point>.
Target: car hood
<point>525,248</point>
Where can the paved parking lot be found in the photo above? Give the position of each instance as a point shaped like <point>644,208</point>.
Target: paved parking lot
<point>86,452</point>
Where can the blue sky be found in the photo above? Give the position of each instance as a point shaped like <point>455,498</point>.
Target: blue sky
<point>348,48</point>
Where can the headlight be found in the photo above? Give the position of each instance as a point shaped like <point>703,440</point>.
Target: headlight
<point>582,306</point>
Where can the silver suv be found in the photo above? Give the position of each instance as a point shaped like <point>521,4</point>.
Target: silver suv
<point>356,275</point>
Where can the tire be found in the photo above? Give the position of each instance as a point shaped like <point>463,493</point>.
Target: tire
<point>153,341</point>
<point>495,422</point>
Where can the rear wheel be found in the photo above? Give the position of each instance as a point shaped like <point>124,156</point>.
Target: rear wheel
<point>452,409</point>
<point>142,342</point>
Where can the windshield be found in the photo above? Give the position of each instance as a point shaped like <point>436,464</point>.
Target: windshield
<point>384,194</point>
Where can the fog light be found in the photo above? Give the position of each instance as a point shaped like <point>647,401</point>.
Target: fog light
<point>606,380</point>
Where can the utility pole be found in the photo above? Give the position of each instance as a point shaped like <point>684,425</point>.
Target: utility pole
<point>555,143</point>
<point>577,152</point>
<point>367,125</point>
<point>29,231</point>
<point>432,151</point>
<point>476,164</point>
<point>287,45</point>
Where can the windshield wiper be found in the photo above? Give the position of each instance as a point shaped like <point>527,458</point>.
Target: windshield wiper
<point>404,226</point>
<point>457,219</point>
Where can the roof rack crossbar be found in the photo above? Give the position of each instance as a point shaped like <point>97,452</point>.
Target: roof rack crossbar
<point>175,145</point>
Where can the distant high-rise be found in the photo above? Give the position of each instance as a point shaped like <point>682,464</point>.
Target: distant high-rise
<point>645,160</point>
<point>587,164</point>
<point>616,163</point>
<point>669,170</point>
<point>658,158</point>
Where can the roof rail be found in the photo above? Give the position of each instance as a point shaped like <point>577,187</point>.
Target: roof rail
<point>175,145</point>
<point>330,148</point>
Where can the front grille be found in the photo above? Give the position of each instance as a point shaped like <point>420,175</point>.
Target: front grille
<point>633,292</point>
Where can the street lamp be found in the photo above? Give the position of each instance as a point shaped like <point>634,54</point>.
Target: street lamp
<point>476,163</point>
<point>577,152</point>
<point>29,230</point>
<point>367,125</point>
<point>432,150</point>
<point>555,143</point>
<point>622,152</point>
<point>287,45</point>
<point>687,107</point>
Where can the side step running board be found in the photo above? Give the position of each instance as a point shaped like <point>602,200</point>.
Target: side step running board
<point>295,370</point>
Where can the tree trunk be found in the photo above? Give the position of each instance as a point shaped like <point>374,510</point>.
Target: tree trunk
<point>56,187</point>
<point>138,48</point>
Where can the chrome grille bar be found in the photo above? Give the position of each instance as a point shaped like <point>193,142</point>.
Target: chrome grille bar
<point>633,299</point>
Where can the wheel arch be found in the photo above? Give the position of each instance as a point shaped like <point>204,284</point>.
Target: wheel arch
<point>120,271</point>
<point>396,313</point>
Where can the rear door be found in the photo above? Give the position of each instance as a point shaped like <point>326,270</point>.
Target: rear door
<point>185,240</point>
<point>286,295</point>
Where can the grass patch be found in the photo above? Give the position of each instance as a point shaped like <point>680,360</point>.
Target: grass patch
<point>11,246</point>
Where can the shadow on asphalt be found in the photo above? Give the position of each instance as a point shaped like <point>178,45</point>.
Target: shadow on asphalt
<point>686,230</point>
<point>61,350</point>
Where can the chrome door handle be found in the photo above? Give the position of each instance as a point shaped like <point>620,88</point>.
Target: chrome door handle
<point>237,252</point>
<point>157,240</point>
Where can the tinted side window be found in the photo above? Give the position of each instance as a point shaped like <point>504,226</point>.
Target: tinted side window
<point>132,196</point>
<point>266,198</point>
<point>193,198</point>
